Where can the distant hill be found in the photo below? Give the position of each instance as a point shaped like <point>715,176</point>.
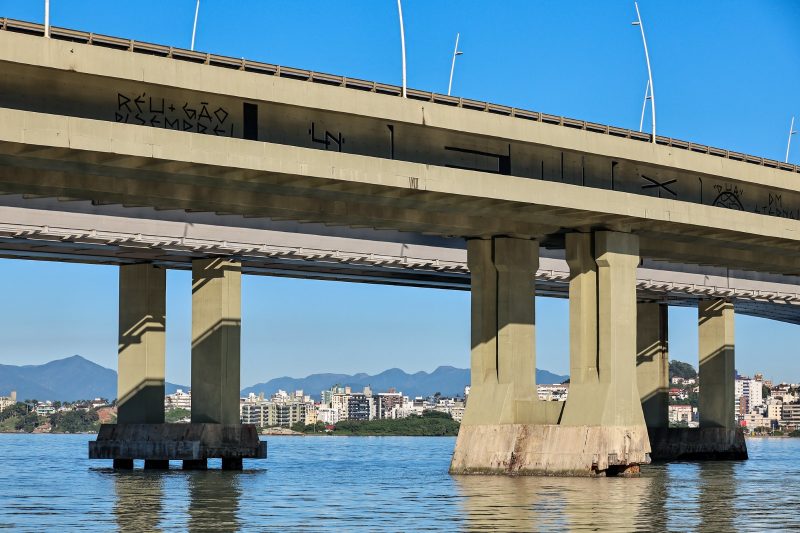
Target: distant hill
<point>447,380</point>
<point>70,379</point>
<point>76,378</point>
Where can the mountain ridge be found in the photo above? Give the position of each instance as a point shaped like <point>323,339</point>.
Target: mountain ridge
<point>76,378</point>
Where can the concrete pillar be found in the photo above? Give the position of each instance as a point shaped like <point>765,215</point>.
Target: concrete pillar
<point>503,357</point>
<point>140,376</point>
<point>142,319</point>
<point>652,362</point>
<point>717,365</point>
<point>603,389</point>
<point>216,328</point>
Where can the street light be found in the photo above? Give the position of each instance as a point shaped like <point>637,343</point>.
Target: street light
<point>47,18</point>
<point>194,27</point>
<point>638,22</point>
<point>789,142</point>
<point>402,43</point>
<point>456,52</point>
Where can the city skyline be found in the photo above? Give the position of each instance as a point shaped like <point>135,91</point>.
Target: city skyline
<point>370,328</point>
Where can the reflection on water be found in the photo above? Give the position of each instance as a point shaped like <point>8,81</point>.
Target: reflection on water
<point>138,505</point>
<point>214,501</point>
<point>386,484</point>
<point>533,503</point>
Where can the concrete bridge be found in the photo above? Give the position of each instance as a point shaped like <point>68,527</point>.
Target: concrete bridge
<point>150,157</point>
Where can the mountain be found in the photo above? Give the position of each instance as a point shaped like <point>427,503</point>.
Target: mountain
<point>76,378</point>
<point>70,379</point>
<point>447,380</point>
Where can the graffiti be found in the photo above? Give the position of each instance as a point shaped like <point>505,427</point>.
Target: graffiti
<point>147,110</point>
<point>328,139</point>
<point>774,208</point>
<point>659,185</point>
<point>503,161</point>
<point>729,196</point>
<point>413,182</point>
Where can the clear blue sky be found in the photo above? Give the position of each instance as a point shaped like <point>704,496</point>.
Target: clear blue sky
<point>726,74</point>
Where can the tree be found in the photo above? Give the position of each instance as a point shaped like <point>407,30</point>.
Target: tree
<point>765,391</point>
<point>679,369</point>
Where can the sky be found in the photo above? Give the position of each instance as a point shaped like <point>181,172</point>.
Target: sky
<point>725,74</point>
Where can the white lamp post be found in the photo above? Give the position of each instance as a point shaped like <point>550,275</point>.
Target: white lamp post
<point>789,142</point>
<point>47,18</point>
<point>456,52</point>
<point>638,22</point>
<point>402,44</point>
<point>194,27</point>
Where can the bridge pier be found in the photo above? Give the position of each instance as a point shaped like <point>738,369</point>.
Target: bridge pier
<point>215,430</point>
<point>718,437</point>
<point>600,429</point>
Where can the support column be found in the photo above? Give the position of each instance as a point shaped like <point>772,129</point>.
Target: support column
<point>140,378</point>
<point>603,413</point>
<point>718,437</point>
<point>216,329</point>
<point>717,365</point>
<point>652,363</point>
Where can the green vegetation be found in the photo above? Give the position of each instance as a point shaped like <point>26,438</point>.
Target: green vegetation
<point>430,424</point>
<point>680,369</point>
<point>795,433</point>
<point>75,421</point>
<point>176,415</point>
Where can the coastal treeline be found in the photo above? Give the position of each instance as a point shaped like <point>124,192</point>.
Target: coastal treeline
<point>430,424</point>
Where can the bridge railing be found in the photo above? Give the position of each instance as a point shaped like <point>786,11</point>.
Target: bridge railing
<point>182,54</point>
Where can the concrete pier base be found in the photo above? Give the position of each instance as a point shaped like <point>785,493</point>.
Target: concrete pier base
<point>697,444</point>
<point>550,450</point>
<point>193,443</point>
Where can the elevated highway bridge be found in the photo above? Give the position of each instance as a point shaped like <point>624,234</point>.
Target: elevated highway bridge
<point>149,157</point>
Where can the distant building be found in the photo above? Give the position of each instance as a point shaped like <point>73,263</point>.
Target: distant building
<point>790,415</point>
<point>45,408</point>
<point>359,406</point>
<point>282,409</point>
<point>751,390</point>
<point>681,413</point>
<point>552,393</point>
<point>388,404</point>
<point>8,401</point>
<point>178,400</point>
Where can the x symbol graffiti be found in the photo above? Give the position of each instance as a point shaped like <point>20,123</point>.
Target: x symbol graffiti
<point>660,186</point>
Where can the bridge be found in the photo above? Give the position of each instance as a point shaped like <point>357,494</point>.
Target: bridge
<point>150,157</point>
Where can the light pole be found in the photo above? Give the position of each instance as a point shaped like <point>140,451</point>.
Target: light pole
<point>194,27</point>
<point>644,105</point>
<point>456,52</point>
<point>402,43</point>
<point>789,142</point>
<point>47,18</point>
<point>638,22</point>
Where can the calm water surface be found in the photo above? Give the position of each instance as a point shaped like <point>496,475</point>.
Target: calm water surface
<point>386,483</point>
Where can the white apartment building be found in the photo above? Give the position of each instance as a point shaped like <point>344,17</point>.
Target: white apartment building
<point>751,390</point>
<point>178,400</point>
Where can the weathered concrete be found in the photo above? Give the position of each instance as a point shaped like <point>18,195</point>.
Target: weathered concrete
<point>506,429</point>
<point>717,364</point>
<point>157,443</point>
<point>216,332</point>
<point>142,322</point>
<point>530,449</point>
<point>709,443</point>
<point>652,362</point>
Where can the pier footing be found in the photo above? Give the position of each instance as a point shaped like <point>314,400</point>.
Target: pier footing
<point>193,443</point>
<point>550,450</point>
<point>716,444</point>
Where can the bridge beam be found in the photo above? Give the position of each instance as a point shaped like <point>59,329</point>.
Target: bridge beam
<point>506,429</point>
<point>141,366</point>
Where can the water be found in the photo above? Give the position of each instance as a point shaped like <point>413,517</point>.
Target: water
<point>386,483</point>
